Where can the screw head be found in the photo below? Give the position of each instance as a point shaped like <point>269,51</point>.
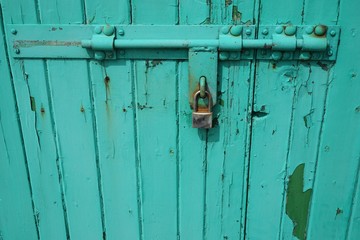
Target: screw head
<point>276,55</point>
<point>236,30</point>
<point>265,31</point>
<point>98,29</point>
<point>320,30</point>
<point>309,30</point>
<point>286,55</point>
<point>305,56</point>
<point>330,53</point>
<point>225,30</point>
<point>290,30</point>
<point>122,52</point>
<point>279,29</point>
<point>224,56</point>
<point>108,30</point>
<point>248,31</point>
<point>17,51</point>
<point>234,55</point>
<point>121,32</point>
<point>13,31</point>
<point>333,33</point>
<point>99,55</point>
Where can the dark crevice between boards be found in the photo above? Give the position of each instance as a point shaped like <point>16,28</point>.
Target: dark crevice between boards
<point>297,202</point>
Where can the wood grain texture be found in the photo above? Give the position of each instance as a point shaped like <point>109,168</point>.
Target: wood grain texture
<point>17,219</point>
<point>155,102</point>
<point>274,101</point>
<point>338,162</point>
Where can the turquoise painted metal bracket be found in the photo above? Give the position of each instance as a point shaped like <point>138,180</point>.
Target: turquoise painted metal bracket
<point>282,42</point>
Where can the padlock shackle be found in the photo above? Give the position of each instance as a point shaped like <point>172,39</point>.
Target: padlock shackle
<point>196,98</point>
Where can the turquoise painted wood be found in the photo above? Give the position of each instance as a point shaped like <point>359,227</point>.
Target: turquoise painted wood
<point>105,149</point>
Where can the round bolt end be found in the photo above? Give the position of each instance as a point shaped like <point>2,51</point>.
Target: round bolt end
<point>236,30</point>
<point>225,30</point>
<point>309,30</point>
<point>99,56</point>
<point>13,31</point>
<point>330,53</point>
<point>290,30</point>
<point>121,32</point>
<point>224,56</point>
<point>320,30</point>
<point>333,33</point>
<point>98,29</point>
<point>265,31</point>
<point>248,31</point>
<point>279,29</point>
<point>234,56</point>
<point>276,55</point>
<point>305,56</point>
<point>286,55</point>
<point>108,30</point>
<point>17,51</point>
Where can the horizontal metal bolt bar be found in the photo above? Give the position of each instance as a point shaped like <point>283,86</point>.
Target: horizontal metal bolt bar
<point>165,43</point>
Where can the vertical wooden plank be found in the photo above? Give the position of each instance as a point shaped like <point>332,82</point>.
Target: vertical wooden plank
<point>338,157</point>
<point>17,219</point>
<point>157,128</point>
<point>36,122</point>
<point>192,142</point>
<point>74,125</point>
<point>228,142</point>
<point>275,88</point>
<point>308,111</point>
<point>112,88</point>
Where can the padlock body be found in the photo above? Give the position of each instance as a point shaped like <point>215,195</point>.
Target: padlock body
<point>202,119</point>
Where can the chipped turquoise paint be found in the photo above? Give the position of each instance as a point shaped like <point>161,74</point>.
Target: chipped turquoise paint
<point>105,149</point>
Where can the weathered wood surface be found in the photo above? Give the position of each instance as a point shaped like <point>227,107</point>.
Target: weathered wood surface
<point>105,150</point>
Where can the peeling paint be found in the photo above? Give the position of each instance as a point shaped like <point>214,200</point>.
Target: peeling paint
<point>297,202</point>
<point>32,104</point>
<point>236,15</point>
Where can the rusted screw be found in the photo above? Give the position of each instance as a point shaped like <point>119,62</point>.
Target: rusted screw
<point>17,51</point>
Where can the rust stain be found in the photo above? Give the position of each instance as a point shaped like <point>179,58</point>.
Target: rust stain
<point>36,43</point>
<point>82,109</point>
<point>228,3</point>
<point>236,15</point>
<point>42,111</point>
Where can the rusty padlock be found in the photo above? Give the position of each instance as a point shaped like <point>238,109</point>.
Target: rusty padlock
<point>203,118</point>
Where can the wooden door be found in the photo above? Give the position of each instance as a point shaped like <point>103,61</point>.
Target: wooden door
<point>105,149</point>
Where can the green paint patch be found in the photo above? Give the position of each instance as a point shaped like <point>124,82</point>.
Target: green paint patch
<point>297,202</point>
